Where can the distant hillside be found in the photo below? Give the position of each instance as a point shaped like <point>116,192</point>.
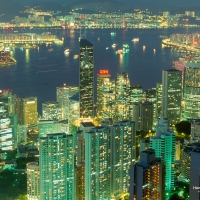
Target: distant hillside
<point>8,10</point>
<point>102,5</point>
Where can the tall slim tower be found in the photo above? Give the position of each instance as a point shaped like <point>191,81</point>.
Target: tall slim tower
<point>172,95</point>
<point>57,167</point>
<point>86,79</point>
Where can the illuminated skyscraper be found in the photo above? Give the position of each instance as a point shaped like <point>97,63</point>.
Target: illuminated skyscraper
<point>172,95</point>
<point>122,96</point>
<point>63,95</point>
<point>51,110</point>
<point>30,115</point>
<point>33,181</point>
<point>123,155</point>
<point>86,79</point>
<point>158,99</point>
<point>105,95</point>
<point>57,167</point>
<point>143,116</point>
<point>97,163</point>
<point>146,177</point>
<point>192,90</point>
<point>164,145</point>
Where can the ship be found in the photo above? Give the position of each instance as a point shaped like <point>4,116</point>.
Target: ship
<point>136,39</point>
<point>114,45</point>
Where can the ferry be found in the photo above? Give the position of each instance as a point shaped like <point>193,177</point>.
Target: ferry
<point>114,45</point>
<point>7,49</point>
<point>112,33</point>
<point>66,50</point>
<point>75,56</point>
<point>136,39</point>
<point>120,51</point>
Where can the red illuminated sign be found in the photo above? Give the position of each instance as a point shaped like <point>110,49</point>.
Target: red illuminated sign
<point>103,72</point>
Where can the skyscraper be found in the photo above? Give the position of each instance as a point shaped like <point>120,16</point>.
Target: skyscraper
<point>122,96</point>
<point>86,79</point>
<point>33,181</point>
<point>97,163</point>
<point>105,95</point>
<point>146,177</point>
<point>123,155</point>
<point>51,110</point>
<point>172,95</point>
<point>158,99</point>
<point>63,95</point>
<point>192,90</point>
<point>143,116</point>
<point>29,113</point>
<point>164,145</point>
<point>57,167</point>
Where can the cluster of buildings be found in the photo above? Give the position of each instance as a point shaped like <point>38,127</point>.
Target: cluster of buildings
<point>136,19</point>
<point>90,150</point>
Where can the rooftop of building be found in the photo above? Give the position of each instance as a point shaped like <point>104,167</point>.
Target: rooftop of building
<point>87,124</point>
<point>84,42</point>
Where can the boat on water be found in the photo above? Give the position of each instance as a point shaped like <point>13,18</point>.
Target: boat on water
<point>76,56</point>
<point>120,51</point>
<point>98,39</point>
<point>163,36</point>
<point>136,39</point>
<point>114,45</point>
<point>112,33</point>
<point>6,59</point>
<point>107,48</point>
<point>8,49</point>
<point>66,51</point>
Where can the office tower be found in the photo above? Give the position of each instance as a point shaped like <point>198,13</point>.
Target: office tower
<point>158,99</point>
<point>63,95</point>
<point>194,174</point>
<point>105,95</point>
<point>51,111</point>
<point>86,79</point>
<point>195,131</point>
<point>57,167</point>
<point>29,112</point>
<point>21,134</point>
<point>97,164</point>
<point>33,181</point>
<point>8,121</point>
<point>192,90</point>
<point>172,95</point>
<point>143,116</point>
<point>164,145</point>
<point>74,111</point>
<point>122,96</point>
<point>123,155</point>
<point>146,177</point>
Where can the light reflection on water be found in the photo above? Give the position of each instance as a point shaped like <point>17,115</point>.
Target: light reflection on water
<point>144,67</point>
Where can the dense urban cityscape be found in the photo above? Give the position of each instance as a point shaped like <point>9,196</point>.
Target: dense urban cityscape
<point>103,138</point>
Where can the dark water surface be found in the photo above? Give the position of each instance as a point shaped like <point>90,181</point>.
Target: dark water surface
<point>39,71</point>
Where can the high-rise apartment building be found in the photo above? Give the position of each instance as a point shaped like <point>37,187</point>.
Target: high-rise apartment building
<point>29,112</point>
<point>86,79</point>
<point>63,95</point>
<point>143,115</point>
<point>172,95</point>
<point>105,95</point>
<point>123,155</point>
<point>164,145</point>
<point>57,167</point>
<point>122,96</point>
<point>146,177</point>
<point>51,111</point>
<point>97,164</point>
<point>192,90</point>
<point>33,181</point>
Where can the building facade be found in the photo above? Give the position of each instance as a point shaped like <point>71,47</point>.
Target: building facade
<point>86,79</point>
